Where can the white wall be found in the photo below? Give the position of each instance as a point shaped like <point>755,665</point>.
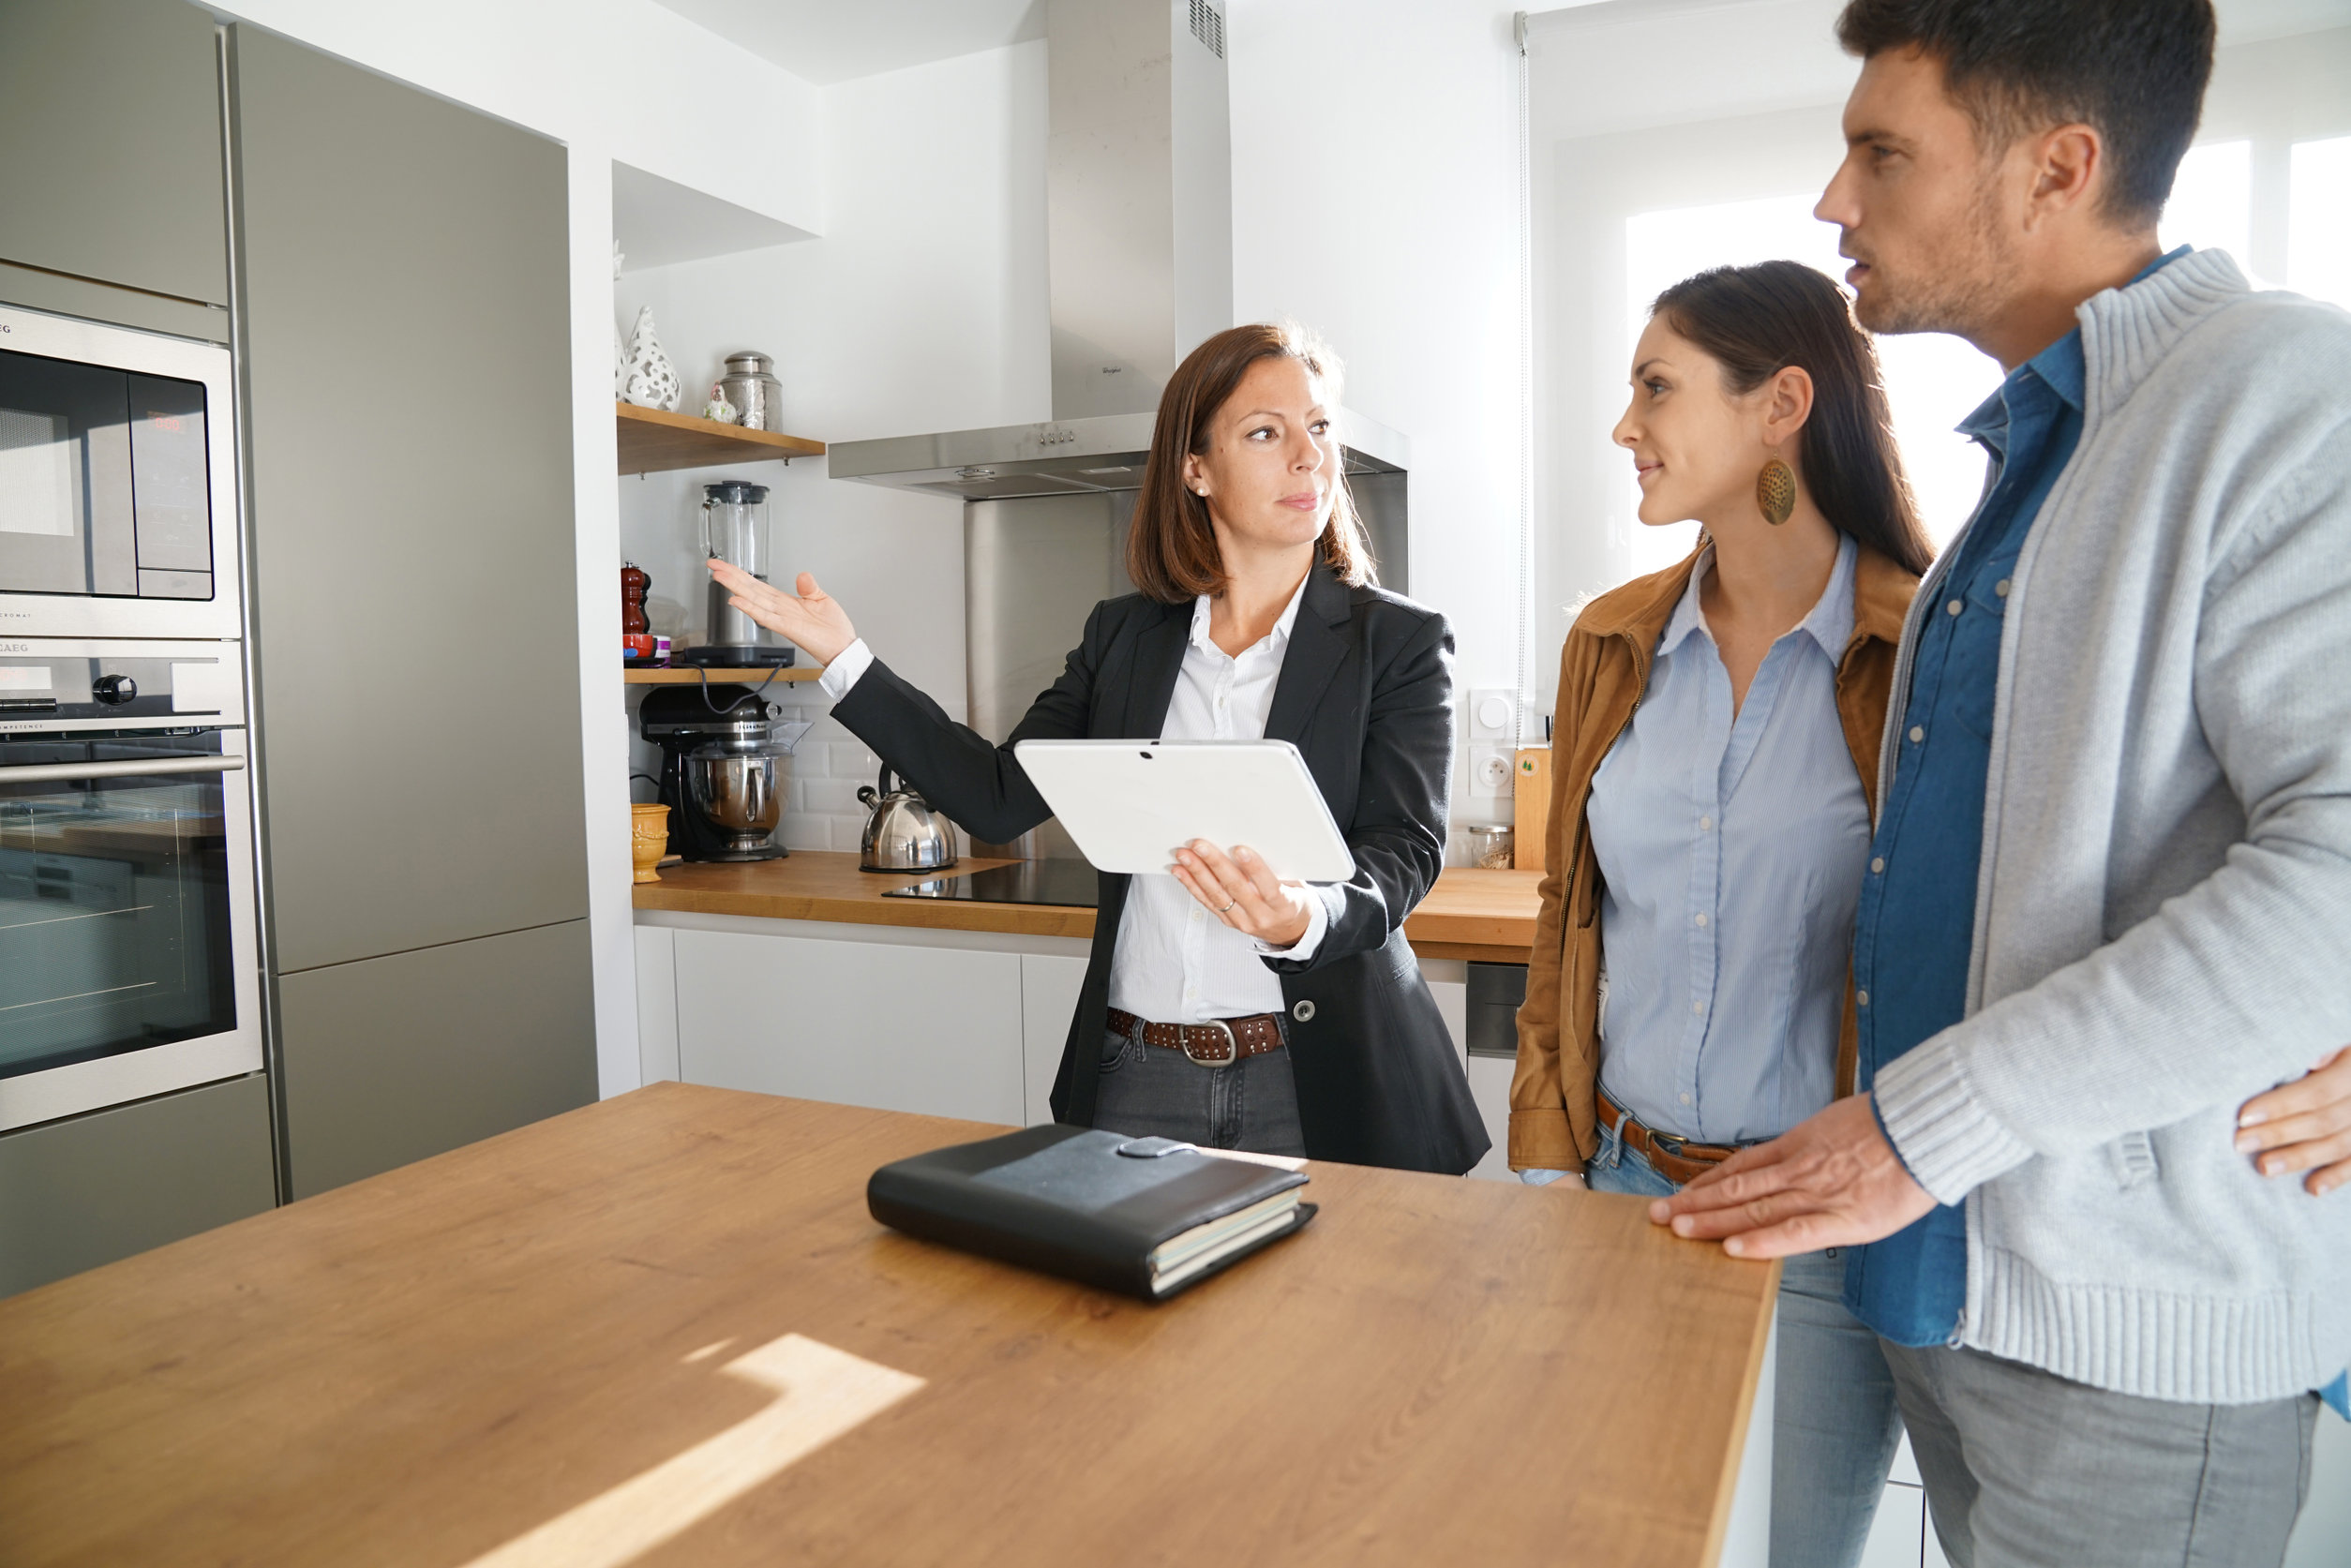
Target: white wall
<point>922,308</point>
<point>1375,197</point>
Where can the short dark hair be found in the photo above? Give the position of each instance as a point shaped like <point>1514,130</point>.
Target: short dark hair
<point>1172,551</point>
<point>1756,321</point>
<point>2132,70</point>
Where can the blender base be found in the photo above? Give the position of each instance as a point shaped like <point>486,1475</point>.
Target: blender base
<point>734,656</point>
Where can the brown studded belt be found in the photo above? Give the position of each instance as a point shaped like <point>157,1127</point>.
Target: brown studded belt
<point>1217,1043</point>
<point>1677,1160</point>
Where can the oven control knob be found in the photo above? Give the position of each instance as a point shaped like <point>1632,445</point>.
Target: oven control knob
<point>115,690</point>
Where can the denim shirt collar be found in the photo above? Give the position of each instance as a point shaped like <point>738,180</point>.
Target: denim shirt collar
<point>2059,369</point>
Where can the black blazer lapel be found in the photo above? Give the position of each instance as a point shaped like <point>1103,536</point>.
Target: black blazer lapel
<point>1159,658</point>
<point>1316,650</point>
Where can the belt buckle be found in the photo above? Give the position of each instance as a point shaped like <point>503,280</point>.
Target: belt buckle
<point>1232,1044</point>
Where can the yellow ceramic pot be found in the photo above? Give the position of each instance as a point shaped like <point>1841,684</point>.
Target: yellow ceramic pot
<point>649,838</point>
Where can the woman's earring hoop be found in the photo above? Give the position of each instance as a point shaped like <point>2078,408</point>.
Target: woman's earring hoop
<point>1776,492</point>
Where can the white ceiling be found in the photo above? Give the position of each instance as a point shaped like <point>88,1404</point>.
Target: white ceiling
<point>833,40</point>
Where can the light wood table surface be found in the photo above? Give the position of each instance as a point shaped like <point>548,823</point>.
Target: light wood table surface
<point>427,1367</point>
<point>1485,914</point>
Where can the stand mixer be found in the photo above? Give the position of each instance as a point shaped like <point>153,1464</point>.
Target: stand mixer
<point>719,772</point>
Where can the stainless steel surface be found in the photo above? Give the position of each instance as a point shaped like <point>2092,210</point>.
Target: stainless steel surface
<point>1063,456</point>
<point>751,385</point>
<point>45,772</point>
<point>72,615</point>
<point>1138,199</point>
<point>180,683</point>
<point>739,791</point>
<point>903,833</point>
<point>84,1192</point>
<point>28,1099</point>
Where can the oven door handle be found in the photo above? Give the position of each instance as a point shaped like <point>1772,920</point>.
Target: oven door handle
<point>45,772</point>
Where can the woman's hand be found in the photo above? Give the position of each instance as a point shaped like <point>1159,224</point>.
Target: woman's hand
<point>1242,891</point>
<point>2304,1126</point>
<point>813,618</point>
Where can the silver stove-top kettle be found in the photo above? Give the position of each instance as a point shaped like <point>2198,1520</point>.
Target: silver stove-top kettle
<point>903,833</point>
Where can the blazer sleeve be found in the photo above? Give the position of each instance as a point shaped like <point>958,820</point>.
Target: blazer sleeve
<point>1540,1133</point>
<point>957,769</point>
<point>1397,833</point>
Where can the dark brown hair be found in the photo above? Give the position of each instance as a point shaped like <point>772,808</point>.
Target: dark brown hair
<point>2132,70</point>
<point>1756,321</point>
<point>1172,552</point>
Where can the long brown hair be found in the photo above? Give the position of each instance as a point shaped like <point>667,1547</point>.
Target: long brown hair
<point>1757,322</point>
<point>1172,552</point>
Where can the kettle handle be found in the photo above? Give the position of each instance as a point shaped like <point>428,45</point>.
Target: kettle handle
<point>885,781</point>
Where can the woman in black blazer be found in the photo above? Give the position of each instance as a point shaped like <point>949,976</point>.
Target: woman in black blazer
<point>1223,1007</point>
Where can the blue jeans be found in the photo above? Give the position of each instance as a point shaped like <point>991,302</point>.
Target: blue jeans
<point>1834,1426</point>
<point>1151,1090</point>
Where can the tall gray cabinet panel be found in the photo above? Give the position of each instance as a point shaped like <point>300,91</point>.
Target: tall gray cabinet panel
<point>79,1193</point>
<point>110,110</point>
<point>403,274</point>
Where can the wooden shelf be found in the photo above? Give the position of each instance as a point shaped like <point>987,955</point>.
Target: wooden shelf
<point>653,439</point>
<point>675,676</point>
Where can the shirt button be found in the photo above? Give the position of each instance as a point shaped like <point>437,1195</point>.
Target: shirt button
<point>2000,588</point>
<point>1860,998</point>
<point>1705,824</point>
<point>1917,734</point>
<point>1878,866</point>
<point>1954,607</point>
<point>1686,1099</point>
<point>1701,920</point>
<point>1697,1006</point>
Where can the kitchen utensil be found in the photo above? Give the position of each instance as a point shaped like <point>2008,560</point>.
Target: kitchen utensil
<point>758,396</point>
<point>723,774</point>
<point>903,833</point>
<point>735,531</point>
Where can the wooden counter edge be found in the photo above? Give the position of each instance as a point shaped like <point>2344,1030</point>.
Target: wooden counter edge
<point>1736,1456</point>
<point>1013,920</point>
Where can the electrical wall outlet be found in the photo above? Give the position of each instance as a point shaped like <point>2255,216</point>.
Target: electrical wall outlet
<point>1489,770</point>
<point>1492,714</point>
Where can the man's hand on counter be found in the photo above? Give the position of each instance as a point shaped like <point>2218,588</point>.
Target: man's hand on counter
<point>1831,1180</point>
<point>811,617</point>
<point>1241,891</point>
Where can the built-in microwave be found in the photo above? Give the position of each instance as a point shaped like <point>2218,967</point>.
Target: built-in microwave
<point>128,960</point>
<point>117,483</point>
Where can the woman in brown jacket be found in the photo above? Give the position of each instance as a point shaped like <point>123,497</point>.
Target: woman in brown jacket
<point>1714,761</point>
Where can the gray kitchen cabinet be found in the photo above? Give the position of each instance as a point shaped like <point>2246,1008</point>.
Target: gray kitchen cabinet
<point>391,1059</point>
<point>403,284</point>
<point>110,113</point>
<point>79,1193</point>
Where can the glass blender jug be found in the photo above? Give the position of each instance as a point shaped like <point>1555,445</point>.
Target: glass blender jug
<point>735,531</point>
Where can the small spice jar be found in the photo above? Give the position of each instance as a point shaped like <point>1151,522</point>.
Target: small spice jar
<point>1490,844</point>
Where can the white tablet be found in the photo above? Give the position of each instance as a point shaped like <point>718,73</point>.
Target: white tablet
<point>1130,803</point>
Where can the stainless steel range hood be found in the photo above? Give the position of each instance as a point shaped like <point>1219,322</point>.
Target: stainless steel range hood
<point>1139,214</point>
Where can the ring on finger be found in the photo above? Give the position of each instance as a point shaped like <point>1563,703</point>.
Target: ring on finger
<point>1228,907</point>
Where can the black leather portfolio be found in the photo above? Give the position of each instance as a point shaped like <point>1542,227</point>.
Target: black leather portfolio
<point>1142,1215</point>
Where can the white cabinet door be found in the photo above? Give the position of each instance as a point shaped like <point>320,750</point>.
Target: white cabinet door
<point>1049,995</point>
<point>933,1030</point>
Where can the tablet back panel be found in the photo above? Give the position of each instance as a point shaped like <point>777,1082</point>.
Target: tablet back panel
<point>1128,804</point>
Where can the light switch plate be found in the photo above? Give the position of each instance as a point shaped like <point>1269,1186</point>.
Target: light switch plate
<point>1491,712</point>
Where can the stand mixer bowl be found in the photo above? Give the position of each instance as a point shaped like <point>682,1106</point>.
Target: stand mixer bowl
<point>736,788</point>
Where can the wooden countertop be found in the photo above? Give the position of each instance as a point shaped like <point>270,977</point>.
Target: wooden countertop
<point>1485,915</point>
<point>570,1345</point>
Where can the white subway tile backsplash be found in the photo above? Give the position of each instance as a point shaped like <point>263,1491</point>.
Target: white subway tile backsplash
<point>805,832</point>
<point>830,797</point>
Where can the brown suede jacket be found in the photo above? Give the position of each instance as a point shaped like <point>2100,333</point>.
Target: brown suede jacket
<point>1603,671</point>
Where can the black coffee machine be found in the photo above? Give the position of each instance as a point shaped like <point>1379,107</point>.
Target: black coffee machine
<point>719,745</point>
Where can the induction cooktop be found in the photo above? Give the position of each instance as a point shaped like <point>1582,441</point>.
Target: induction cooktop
<point>1063,881</point>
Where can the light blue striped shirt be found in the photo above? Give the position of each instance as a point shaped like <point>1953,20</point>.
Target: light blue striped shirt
<point>1731,857</point>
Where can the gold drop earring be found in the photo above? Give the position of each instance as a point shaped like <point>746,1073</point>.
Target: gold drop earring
<point>1776,492</point>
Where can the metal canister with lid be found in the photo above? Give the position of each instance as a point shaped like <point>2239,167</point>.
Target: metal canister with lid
<point>751,386</point>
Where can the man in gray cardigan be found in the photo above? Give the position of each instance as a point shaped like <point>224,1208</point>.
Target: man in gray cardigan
<point>2109,896</point>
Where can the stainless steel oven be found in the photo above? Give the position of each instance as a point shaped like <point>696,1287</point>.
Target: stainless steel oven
<point>117,483</point>
<point>127,960</point>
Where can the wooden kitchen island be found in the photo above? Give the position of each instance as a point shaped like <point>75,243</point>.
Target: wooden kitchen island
<point>663,1330</point>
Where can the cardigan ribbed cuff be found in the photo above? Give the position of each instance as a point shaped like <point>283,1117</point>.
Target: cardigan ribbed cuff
<point>1945,1135</point>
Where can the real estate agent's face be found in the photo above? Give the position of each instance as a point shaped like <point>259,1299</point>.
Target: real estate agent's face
<point>1271,459</point>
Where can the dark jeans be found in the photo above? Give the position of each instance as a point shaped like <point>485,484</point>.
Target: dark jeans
<point>1148,1089</point>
